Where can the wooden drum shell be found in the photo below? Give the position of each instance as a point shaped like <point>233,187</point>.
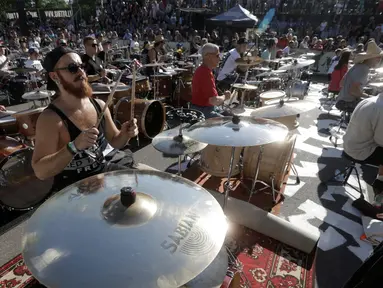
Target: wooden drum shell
<point>150,114</point>
<point>215,160</point>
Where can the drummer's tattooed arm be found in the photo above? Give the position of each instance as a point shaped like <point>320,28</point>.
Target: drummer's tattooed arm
<point>117,138</point>
<point>50,157</point>
<point>2,108</point>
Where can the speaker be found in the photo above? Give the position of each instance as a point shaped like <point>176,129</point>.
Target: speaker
<point>20,7</point>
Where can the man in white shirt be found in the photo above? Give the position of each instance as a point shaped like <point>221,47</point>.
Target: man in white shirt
<point>266,54</point>
<point>225,75</point>
<point>363,140</point>
<point>4,62</point>
<point>34,63</point>
<point>288,49</point>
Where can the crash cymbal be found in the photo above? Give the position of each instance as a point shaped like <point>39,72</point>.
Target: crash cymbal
<point>170,143</point>
<point>23,70</point>
<point>180,70</point>
<point>284,108</point>
<point>244,86</point>
<point>173,230</point>
<point>271,73</point>
<point>100,88</point>
<point>154,64</point>
<point>297,64</point>
<point>237,131</point>
<point>138,77</point>
<point>283,59</point>
<point>38,95</point>
<point>248,62</point>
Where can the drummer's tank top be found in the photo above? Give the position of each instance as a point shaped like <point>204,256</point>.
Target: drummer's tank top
<point>82,165</point>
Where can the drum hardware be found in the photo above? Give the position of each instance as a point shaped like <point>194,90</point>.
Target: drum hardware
<point>244,87</point>
<point>236,131</point>
<point>297,64</point>
<point>179,84</point>
<point>265,97</point>
<point>26,121</point>
<point>174,143</point>
<point>136,207</point>
<point>38,95</point>
<point>297,88</point>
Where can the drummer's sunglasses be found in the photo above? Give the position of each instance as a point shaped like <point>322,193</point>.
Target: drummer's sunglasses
<point>72,67</point>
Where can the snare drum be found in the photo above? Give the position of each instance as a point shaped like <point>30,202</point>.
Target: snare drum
<point>26,121</point>
<point>8,126</point>
<point>273,83</point>
<point>150,115</point>
<point>162,84</point>
<point>20,188</point>
<point>274,164</point>
<point>215,160</point>
<point>271,95</point>
<point>143,85</point>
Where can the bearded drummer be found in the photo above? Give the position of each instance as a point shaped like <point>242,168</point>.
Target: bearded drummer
<point>205,97</point>
<point>68,145</point>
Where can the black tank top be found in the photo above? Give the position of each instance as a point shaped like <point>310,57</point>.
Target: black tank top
<point>82,165</point>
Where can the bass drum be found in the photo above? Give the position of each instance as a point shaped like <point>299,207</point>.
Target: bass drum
<point>274,164</point>
<point>215,160</point>
<point>20,189</point>
<point>150,115</point>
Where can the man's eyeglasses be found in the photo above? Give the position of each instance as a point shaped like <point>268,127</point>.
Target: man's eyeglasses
<point>72,67</point>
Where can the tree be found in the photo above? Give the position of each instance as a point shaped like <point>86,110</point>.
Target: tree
<point>51,4</point>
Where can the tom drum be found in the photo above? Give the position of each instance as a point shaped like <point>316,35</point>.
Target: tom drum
<point>8,126</point>
<point>215,160</point>
<point>275,161</point>
<point>150,115</point>
<point>20,189</point>
<point>26,121</point>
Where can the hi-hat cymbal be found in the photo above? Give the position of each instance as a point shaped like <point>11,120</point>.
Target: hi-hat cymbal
<point>173,230</point>
<point>297,64</point>
<point>170,143</point>
<point>237,131</point>
<point>283,109</point>
<point>248,62</point>
<point>37,95</point>
<point>244,86</point>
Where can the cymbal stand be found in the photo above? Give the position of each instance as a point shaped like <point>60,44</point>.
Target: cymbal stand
<point>178,138</point>
<point>178,89</point>
<point>227,184</point>
<point>255,180</point>
<point>156,83</point>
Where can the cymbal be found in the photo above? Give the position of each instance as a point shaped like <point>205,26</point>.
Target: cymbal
<point>283,109</point>
<point>248,62</point>
<point>154,64</point>
<point>195,56</point>
<point>100,88</point>
<point>170,143</point>
<point>237,131</point>
<point>23,70</point>
<point>38,95</point>
<point>244,86</point>
<point>180,70</point>
<point>379,70</point>
<point>297,64</point>
<point>128,61</point>
<point>376,84</point>
<point>173,230</point>
<point>262,69</point>
<point>283,59</point>
<point>138,77</point>
<point>270,73</point>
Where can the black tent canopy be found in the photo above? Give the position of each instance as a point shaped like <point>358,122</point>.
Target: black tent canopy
<point>235,17</point>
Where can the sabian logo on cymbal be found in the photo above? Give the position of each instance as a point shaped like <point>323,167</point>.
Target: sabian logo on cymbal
<point>188,238</point>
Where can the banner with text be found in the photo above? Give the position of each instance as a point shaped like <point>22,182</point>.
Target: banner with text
<point>46,13</point>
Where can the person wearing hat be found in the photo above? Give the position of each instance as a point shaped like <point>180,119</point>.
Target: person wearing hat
<point>103,55</point>
<point>225,75</point>
<point>92,64</point>
<point>205,97</point>
<point>356,78</point>
<point>68,146</point>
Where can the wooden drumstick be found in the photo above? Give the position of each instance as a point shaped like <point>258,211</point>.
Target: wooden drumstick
<point>133,96</point>
<point>110,99</point>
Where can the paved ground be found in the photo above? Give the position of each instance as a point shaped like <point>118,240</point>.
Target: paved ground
<point>319,208</point>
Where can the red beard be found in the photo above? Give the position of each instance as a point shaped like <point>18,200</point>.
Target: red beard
<point>83,91</point>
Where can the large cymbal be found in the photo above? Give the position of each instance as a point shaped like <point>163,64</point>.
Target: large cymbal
<point>170,143</point>
<point>283,109</point>
<point>237,131</point>
<point>168,236</point>
<point>244,86</point>
<point>297,64</point>
<point>37,95</point>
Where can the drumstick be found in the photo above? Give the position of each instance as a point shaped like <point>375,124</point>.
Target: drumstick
<point>110,99</point>
<point>133,96</point>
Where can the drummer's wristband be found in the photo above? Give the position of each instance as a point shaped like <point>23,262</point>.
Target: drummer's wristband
<point>72,148</point>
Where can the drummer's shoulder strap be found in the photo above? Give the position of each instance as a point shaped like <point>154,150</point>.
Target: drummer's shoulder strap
<point>224,59</point>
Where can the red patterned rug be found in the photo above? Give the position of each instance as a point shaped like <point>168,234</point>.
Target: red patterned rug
<point>267,263</point>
